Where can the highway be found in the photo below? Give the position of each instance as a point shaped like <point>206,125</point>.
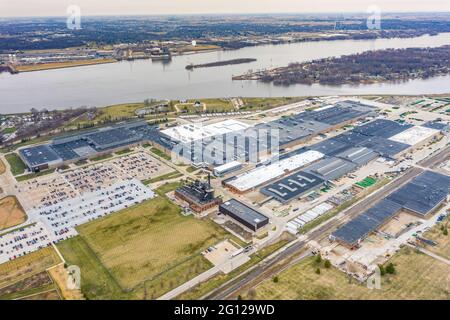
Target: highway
<point>266,267</point>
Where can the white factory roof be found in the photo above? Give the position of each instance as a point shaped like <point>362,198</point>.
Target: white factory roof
<point>267,173</point>
<point>198,131</point>
<point>414,135</point>
<point>227,166</point>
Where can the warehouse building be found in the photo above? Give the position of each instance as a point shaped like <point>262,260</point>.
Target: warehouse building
<point>384,147</point>
<point>382,128</point>
<point>439,125</point>
<point>85,145</point>
<point>293,186</point>
<point>360,156</point>
<point>416,136</point>
<point>331,168</point>
<point>264,174</point>
<point>40,157</point>
<point>219,143</point>
<point>227,168</point>
<point>356,230</point>
<point>422,196</point>
<point>329,147</point>
<point>248,217</point>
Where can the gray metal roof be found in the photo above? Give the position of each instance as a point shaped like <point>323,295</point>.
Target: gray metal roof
<point>39,155</point>
<point>243,211</point>
<point>367,222</point>
<point>358,155</point>
<point>329,147</point>
<point>382,128</point>
<point>423,193</point>
<point>331,168</point>
<point>384,147</point>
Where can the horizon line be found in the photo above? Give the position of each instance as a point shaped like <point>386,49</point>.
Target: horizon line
<point>226,13</point>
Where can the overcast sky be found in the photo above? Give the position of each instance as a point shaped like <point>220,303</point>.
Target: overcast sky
<point>15,8</point>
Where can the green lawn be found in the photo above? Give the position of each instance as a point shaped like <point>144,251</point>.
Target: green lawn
<point>17,165</point>
<point>267,103</point>
<point>103,157</point>
<point>160,153</point>
<point>34,175</point>
<point>168,176</point>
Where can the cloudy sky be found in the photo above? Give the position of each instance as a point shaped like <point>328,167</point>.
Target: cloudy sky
<point>14,8</point>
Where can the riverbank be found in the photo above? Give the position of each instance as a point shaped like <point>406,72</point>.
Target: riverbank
<point>62,65</point>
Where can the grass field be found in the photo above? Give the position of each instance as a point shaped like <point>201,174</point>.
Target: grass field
<point>267,103</point>
<point>59,65</point>
<point>11,213</point>
<point>160,153</point>
<point>149,245</point>
<point>417,277</point>
<point>168,176</point>
<point>102,157</point>
<point>17,165</point>
<point>27,266</point>
<point>34,175</point>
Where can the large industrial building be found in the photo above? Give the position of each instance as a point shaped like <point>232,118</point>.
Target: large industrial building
<point>231,140</point>
<point>421,196</point>
<point>243,214</point>
<point>86,145</point>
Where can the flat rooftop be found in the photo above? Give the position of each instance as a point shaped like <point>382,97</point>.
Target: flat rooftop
<point>244,212</point>
<point>381,128</point>
<point>292,186</point>
<point>367,222</point>
<point>421,195</point>
<point>424,193</point>
<point>414,135</point>
<point>264,174</point>
<point>39,155</point>
<point>193,132</point>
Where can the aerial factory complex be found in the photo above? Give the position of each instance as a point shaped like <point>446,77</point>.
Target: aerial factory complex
<point>350,179</point>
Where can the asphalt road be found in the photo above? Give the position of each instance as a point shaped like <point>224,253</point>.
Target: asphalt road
<point>433,161</point>
<point>233,286</point>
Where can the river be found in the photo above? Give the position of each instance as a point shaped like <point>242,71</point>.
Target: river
<point>134,81</point>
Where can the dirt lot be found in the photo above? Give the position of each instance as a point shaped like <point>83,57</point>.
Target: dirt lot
<point>417,277</point>
<point>11,213</point>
